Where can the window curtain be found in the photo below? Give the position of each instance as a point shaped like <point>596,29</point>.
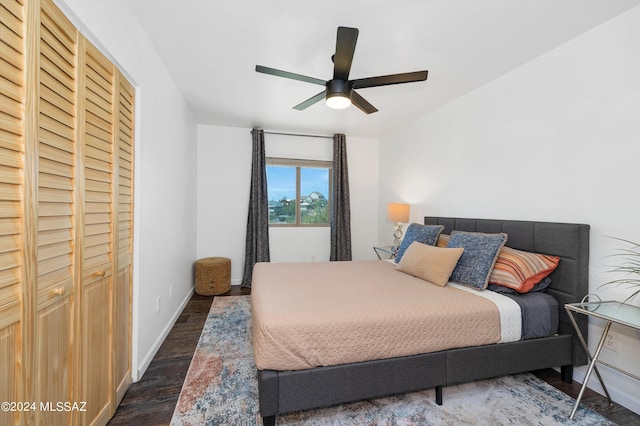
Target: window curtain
<point>341,211</point>
<point>257,240</point>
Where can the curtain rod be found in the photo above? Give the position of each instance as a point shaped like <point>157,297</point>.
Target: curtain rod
<point>268,132</point>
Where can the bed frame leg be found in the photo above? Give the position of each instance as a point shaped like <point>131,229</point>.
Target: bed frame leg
<point>566,373</point>
<point>439,395</point>
<point>269,420</point>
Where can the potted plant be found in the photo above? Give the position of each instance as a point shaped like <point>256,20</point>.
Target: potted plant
<point>628,268</point>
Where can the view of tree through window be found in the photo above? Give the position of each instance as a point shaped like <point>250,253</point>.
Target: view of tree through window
<point>298,193</point>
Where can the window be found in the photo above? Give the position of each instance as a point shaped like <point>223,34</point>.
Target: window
<point>299,192</point>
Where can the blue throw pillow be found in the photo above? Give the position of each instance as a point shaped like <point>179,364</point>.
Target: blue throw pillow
<point>479,256</point>
<point>425,234</point>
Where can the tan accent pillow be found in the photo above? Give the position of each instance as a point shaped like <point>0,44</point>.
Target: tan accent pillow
<point>433,264</point>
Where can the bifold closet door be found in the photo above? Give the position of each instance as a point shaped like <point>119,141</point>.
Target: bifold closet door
<point>96,188</point>
<point>124,243</point>
<point>53,330</point>
<point>12,144</point>
<point>66,225</point>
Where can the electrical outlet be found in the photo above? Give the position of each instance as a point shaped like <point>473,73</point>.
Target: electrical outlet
<point>611,342</point>
<point>158,300</point>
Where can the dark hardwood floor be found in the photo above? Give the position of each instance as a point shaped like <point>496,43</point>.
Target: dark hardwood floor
<point>151,400</point>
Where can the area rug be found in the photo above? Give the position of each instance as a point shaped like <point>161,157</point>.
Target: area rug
<point>221,389</point>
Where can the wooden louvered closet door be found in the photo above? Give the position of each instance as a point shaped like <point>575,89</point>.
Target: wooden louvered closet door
<point>56,207</point>
<point>96,221</point>
<point>124,243</point>
<point>66,225</point>
<point>12,144</point>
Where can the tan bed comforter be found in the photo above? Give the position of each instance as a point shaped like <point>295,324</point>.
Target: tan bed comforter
<point>307,315</point>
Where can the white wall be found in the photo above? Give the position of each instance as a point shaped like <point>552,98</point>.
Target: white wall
<point>557,139</point>
<point>224,172</point>
<point>165,176</point>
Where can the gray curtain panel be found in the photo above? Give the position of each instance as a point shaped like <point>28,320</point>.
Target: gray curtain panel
<point>257,240</point>
<point>341,211</point>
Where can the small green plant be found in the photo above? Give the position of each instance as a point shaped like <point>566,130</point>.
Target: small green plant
<point>629,268</point>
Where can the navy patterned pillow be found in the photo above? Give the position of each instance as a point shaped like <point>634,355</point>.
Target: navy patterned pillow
<point>479,256</point>
<point>425,234</point>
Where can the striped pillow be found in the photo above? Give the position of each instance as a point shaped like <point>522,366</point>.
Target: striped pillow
<point>443,240</point>
<point>521,270</point>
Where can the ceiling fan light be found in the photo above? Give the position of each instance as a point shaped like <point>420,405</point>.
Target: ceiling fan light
<point>338,94</point>
<point>338,101</point>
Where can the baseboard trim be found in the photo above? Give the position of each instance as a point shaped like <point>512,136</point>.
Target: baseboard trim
<point>142,367</point>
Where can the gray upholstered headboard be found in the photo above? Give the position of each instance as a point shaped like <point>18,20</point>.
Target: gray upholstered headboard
<point>569,241</point>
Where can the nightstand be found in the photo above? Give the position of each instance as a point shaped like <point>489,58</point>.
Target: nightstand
<point>385,252</point>
<point>612,313</point>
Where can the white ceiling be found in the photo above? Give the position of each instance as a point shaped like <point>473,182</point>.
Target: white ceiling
<point>211,48</point>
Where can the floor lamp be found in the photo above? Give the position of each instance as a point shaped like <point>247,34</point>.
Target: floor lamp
<point>398,213</point>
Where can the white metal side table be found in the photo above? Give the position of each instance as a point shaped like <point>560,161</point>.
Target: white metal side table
<point>386,252</point>
<point>611,312</point>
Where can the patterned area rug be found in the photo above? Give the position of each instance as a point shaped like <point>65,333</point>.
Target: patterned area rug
<point>221,389</point>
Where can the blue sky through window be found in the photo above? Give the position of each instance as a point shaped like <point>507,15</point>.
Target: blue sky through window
<point>314,180</point>
<point>281,181</point>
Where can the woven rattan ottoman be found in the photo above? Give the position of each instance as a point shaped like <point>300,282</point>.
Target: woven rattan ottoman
<point>213,275</point>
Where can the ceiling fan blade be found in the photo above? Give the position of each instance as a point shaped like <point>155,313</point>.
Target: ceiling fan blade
<point>362,103</point>
<point>386,80</point>
<point>345,47</point>
<point>312,100</point>
<point>286,74</point>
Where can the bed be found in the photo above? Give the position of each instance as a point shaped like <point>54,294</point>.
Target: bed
<point>310,381</point>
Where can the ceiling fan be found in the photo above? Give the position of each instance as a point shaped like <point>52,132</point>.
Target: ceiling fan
<point>340,91</point>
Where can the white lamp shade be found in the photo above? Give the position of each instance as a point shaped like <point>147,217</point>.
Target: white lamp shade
<point>398,212</point>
